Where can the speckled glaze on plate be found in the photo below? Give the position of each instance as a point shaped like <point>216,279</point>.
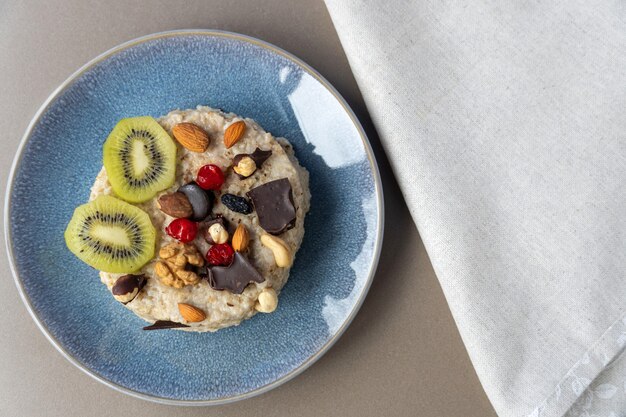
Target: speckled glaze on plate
<point>60,156</point>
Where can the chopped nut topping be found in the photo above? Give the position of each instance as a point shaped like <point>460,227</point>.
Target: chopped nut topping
<point>172,267</point>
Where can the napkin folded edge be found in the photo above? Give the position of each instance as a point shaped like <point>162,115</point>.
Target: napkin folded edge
<point>610,346</point>
<point>601,353</point>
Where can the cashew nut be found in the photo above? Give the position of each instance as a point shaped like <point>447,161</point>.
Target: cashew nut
<point>280,249</point>
<point>267,301</point>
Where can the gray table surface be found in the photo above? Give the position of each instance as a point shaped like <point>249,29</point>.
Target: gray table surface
<point>402,356</point>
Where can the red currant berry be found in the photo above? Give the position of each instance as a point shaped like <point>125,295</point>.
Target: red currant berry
<point>182,229</point>
<point>221,254</point>
<point>210,177</point>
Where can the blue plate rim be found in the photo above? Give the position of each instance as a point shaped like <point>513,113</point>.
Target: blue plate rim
<point>214,33</point>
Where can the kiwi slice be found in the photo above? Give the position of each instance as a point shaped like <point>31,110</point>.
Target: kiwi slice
<point>111,235</point>
<point>140,159</point>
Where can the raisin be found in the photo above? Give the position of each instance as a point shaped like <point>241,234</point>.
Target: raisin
<point>237,204</point>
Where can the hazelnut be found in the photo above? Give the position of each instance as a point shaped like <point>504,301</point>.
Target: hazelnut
<point>127,287</point>
<point>206,225</point>
<point>245,167</point>
<point>218,233</point>
<point>267,301</point>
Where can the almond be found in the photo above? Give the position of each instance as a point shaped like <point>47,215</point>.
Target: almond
<point>240,238</point>
<point>190,313</point>
<point>176,205</point>
<point>191,137</point>
<point>233,133</point>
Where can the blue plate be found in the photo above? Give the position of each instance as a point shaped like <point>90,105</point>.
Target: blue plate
<point>60,156</point>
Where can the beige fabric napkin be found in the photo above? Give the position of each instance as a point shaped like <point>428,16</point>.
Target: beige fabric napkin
<point>505,124</point>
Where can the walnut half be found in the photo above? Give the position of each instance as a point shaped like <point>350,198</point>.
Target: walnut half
<point>172,267</point>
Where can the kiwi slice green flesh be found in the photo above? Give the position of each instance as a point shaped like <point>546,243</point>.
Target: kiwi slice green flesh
<point>140,159</point>
<point>111,235</point>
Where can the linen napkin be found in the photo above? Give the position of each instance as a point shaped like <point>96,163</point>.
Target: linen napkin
<point>505,125</point>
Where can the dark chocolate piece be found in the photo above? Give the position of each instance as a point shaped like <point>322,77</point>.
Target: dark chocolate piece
<point>258,156</point>
<point>201,200</point>
<point>125,286</point>
<point>216,218</point>
<point>164,324</point>
<point>203,271</point>
<point>273,202</point>
<point>235,277</point>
